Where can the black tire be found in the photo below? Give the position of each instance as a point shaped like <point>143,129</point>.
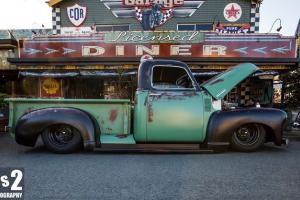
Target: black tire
<point>148,20</point>
<point>62,138</point>
<point>248,138</point>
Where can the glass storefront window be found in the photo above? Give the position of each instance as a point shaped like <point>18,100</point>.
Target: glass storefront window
<point>194,27</point>
<point>104,28</point>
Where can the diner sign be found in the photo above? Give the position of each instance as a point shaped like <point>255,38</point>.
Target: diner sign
<point>160,44</point>
<point>154,37</point>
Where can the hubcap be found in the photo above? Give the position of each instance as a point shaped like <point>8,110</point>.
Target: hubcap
<point>247,135</point>
<point>60,135</point>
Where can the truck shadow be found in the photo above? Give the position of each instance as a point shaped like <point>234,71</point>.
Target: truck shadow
<point>268,148</point>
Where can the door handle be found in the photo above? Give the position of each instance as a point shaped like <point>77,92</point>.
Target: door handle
<point>154,95</point>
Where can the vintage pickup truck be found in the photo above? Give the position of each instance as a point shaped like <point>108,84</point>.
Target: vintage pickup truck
<point>171,112</point>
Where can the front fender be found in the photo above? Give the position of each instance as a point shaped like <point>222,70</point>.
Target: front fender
<point>32,124</point>
<point>222,124</point>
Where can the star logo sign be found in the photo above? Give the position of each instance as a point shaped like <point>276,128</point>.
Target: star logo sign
<point>232,12</point>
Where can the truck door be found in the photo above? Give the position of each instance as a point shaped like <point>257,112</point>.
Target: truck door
<point>174,107</point>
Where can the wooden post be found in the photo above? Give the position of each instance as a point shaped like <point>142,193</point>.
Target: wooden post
<point>282,94</point>
<point>13,91</point>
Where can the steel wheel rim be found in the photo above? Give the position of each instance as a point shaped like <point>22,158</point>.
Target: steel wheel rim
<point>247,135</point>
<point>60,136</point>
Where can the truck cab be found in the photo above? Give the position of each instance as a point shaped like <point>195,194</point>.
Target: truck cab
<point>169,104</point>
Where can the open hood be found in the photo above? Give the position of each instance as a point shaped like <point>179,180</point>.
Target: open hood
<point>219,86</point>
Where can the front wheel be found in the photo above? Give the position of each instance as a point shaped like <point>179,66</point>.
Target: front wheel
<point>62,138</point>
<point>248,137</point>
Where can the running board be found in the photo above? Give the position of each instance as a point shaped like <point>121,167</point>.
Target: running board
<point>153,148</point>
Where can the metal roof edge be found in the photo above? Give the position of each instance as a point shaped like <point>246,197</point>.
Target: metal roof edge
<point>52,3</point>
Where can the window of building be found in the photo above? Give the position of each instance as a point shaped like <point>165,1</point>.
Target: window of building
<point>194,27</point>
<point>105,28</point>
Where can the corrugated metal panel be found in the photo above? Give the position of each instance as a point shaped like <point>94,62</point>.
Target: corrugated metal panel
<point>97,14</point>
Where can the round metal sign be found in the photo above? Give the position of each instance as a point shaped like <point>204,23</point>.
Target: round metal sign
<point>232,12</point>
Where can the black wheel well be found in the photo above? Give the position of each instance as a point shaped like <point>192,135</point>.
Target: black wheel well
<point>270,134</point>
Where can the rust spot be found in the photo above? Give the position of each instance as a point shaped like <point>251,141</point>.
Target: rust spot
<point>29,110</point>
<point>174,95</point>
<point>113,115</point>
<point>146,101</point>
<point>150,113</point>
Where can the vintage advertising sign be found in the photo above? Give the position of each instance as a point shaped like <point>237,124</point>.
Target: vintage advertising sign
<point>76,30</point>
<point>233,28</point>
<point>50,87</point>
<point>232,12</point>
<point>4,54</point>
<point>165,45</point>
<point>152,13</point>
<point>77,14</point>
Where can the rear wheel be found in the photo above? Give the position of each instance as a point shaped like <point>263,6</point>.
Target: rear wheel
<point>248,137</point>
<point>62,138</point>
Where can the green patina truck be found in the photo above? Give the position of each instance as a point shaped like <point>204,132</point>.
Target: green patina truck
<point>171,112</point>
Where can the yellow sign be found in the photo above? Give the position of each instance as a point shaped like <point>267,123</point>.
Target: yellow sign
<point>50,86</point>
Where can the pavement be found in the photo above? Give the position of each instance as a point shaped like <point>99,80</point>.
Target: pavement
<point>270,173</point>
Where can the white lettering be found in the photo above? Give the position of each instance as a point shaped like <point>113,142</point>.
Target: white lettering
<point>209,50</point>
<point>5,182</point>
<point>120,50</point>
<point>180,50</point>
<point>165,3</point>
<point>92,51</point>
<point>141,50</point>
<point>18,175</point>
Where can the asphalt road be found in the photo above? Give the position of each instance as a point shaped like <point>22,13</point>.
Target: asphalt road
<point>271,173</point>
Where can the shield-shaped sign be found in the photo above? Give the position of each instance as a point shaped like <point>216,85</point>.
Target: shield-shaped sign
<point>77,14</point>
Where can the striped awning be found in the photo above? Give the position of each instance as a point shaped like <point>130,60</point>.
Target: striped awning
<point>84,74</point>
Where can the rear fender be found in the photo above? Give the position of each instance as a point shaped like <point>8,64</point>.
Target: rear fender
<point>222,124</point>
<point>32,124</point>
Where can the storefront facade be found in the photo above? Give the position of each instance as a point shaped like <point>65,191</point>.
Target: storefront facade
<point>82,16</point>
<point>96,46</point>
<point>104,65</point>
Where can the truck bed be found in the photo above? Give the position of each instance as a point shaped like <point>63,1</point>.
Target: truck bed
<point>112,115</point>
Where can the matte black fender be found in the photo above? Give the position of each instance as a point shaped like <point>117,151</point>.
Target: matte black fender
<point>32,124</point>
<point>222,124</point>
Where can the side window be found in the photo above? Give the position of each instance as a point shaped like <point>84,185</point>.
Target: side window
<point>167,77</point>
